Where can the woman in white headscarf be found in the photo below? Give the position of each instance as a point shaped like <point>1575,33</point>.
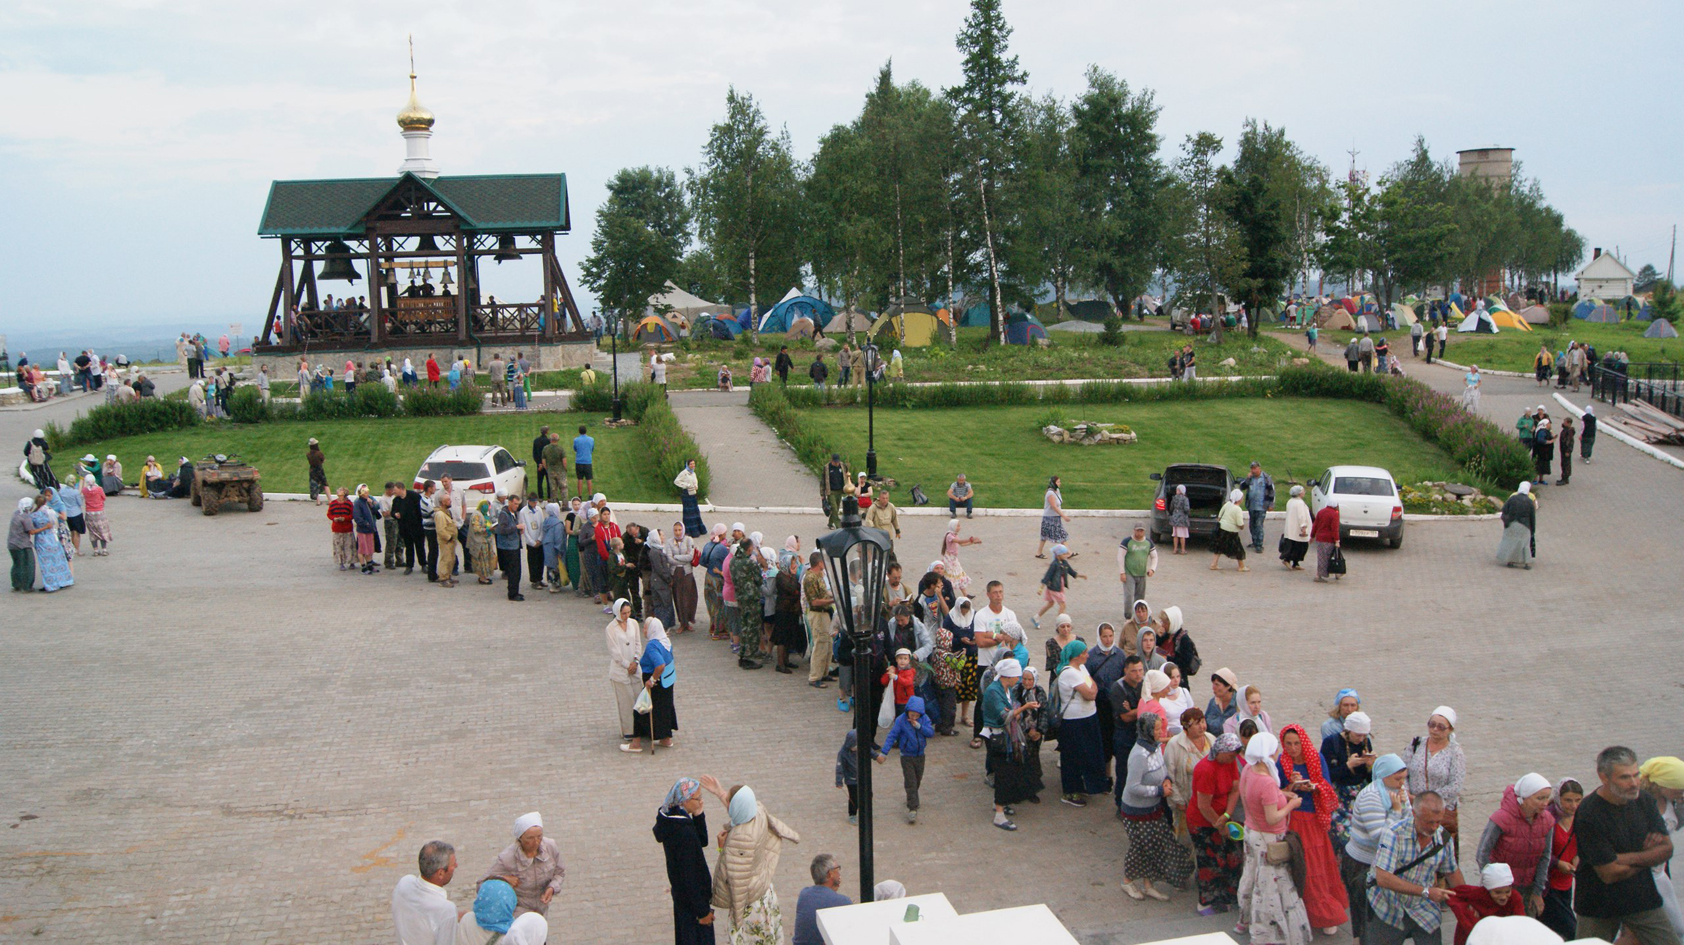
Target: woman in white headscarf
<point>1295,537</point>
<point>1270,907</point>
<point>409,378</point>
<point>749,848</point>
<point>387,380</point>
<point>1249,705</point>
<point>532,865</point>
<point>1520,526</point>
<point>681,551</point>
<point>625,649</point>
<point>1230,523</point>
<point>656,666</point>
<point>1436,763</point>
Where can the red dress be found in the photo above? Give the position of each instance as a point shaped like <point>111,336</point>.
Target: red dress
<point>1324,891</point>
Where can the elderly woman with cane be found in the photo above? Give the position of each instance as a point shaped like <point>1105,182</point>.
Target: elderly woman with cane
<point>681,828</point>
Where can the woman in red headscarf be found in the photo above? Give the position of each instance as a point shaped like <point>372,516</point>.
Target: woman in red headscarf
<point>1303,771</point>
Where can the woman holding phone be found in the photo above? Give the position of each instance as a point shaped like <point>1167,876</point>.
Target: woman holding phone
<point>1303,773</point>
<point>1349,755</point>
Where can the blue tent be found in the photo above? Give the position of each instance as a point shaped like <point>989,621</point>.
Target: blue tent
<point>1022,329</point>
<point>975,317</point>
<point>712,326</point>
<point>745,319</point>
<point>784,314</point>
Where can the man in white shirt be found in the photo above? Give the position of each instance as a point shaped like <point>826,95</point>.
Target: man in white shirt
<point>997,632</point>
<point>421,909</point>
<point>532,538</point>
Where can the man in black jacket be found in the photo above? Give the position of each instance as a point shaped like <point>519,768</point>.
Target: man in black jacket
<point>407,509</point>
<point>538,467</point>
<point>783,364</point>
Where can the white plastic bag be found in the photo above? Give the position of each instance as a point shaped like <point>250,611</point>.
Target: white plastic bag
<point>886,712</point>
<point>645,703</point>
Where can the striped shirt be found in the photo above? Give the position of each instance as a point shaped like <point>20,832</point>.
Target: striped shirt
<point>1371,816</point>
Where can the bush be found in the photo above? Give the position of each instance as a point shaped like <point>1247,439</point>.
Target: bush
<point>327,405</point>
<point>668,445</point>
<point>108,421</point>
<point>374,400</point>
<point>246,405</point>
<point>464,401</point>
<point>1112,336</point>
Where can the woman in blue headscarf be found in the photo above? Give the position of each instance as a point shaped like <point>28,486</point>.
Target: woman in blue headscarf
<point>748,859</point>
<point>681,828</point>
<point>1378,808</point>
<point>1346,702</point>
<point>494,913</point>
<point>50,560</point>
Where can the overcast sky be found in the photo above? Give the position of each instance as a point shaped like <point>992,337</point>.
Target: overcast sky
<point>138,139</point>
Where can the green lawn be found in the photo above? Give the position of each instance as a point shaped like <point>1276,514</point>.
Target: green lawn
<point>373,451</point>
<point>1512,350</point>
<point>1141,354</point>
<point>1006,458</point>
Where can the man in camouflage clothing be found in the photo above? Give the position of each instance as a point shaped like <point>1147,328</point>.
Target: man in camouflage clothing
<point>555,469</point>
<point>746,576</point>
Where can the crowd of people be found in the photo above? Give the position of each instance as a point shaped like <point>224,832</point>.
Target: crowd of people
<point>87,372</point>
<point>509,381</point>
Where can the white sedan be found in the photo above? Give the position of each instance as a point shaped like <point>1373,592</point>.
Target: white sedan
<point>1369,504</point>
<point>490,470</point>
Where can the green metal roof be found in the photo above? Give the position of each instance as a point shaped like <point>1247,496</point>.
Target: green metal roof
<point>486,203</point>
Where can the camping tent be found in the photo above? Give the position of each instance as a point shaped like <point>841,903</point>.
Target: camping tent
<point>913,328</point>
<point>1023,329</point>
<point>1593,311</point>
<point>673,299</point>
<point>1090,310</point>
<point>1350,304</point>
<point>1495,303</point>
<point>723,328</point>
<point>802,327</point>
<point>975,317</point>
<point>1478,321</point>
<point>846,319</point>
<point>654,330</point>
<point>1536,315</point>
<point>1404,314</point>
<point>1367,322</point>
<point>792,306</point>
<point>1661,328</point>
<point>1503,318</point>
<point>1335,318</point>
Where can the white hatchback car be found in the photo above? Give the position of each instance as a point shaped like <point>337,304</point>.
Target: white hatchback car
<point>1369,504</point>
<point>491,470</point>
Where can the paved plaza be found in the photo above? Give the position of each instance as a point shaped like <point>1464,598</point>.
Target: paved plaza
<point>216,736</point>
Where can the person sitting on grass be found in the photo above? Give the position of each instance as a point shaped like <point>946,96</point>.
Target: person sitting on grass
<point>911,731</point>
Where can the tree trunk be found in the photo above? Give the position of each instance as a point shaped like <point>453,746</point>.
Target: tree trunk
<point>900,243</point>
<point>997,315</point>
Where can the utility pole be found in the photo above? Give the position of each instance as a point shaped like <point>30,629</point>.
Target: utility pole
<point>1672,253</point>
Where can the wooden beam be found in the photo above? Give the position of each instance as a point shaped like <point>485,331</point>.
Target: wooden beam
<point>376,310</point>
<point>551,316</point>
<point>309,279</point>
<point>567,303</point>
<point>287,326</point>
<point>274,310</point>
<point>462,300</point>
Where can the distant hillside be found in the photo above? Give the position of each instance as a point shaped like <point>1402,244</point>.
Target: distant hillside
<point>137,342</point>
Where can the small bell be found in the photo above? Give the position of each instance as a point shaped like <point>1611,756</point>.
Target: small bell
<point>445,279</point>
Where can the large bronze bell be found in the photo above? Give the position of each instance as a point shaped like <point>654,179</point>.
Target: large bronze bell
<point>506,248</point>
<point>338,265</point>
<point>426,244</point>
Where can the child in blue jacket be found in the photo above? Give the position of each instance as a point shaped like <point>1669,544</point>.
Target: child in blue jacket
<point>912,729</point>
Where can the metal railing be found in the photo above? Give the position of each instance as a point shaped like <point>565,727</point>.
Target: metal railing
<point>1658,382</point>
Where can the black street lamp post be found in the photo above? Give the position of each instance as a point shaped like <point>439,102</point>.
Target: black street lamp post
<point>870,412</point>
<point>856,562</point>
<point>614,346</point>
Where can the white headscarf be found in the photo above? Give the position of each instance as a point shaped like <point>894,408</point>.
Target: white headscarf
<point>526,822</point>
<point>26,504</point>
<point>655,631</point>
<point>1262,747</point>
<point>962,614</point>
<point>1529,784</point>
<point>888,888</point>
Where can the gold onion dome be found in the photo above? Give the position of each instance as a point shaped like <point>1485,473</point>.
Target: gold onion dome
<point>414,116</point>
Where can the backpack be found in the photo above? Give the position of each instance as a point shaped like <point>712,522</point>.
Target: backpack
<point>918,496</point>
<point>1055,712</point>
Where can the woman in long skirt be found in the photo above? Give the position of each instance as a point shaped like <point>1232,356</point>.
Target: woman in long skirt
<point>1153,852</point>
<point>479,546</point>
<point>1295,537</point>
<point>1520,526</point>
<point>681,828</point>
<point>1230,522</point>
<point>584,538</point>
<point>681,549</point>
<point>50,560</point>
<point>571,558</point>
<point>658,677</point>
<point>950,556</point>
<point>1270,908</point>
<point>1082,761</point>
<point>1302,773</point>
<point>1053,517</point>
<point>98,525</point>
<point>1220,858</point>
<point>959,622</point>
<point>1003,719</point>
<point>687,486</point>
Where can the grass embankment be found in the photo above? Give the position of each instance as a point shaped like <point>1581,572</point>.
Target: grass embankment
<point>1002,452</point>
<point>1513,350</point>
<point>373,451</point>
<point>1140,354</point>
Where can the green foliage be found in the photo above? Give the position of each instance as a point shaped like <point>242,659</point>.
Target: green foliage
<point>663,440</point>
<point>1121,185</point>
<point>1208,252</point>
<point>1260,192</point>
<point>1112,336</point>
<point>1665,301</point>
<point>465,400</point>
<point>106,421</point>
<point>246,405</point>
<point>641,232</point>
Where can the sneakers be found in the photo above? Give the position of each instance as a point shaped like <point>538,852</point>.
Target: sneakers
<point>854,819</point>
<point>1075,800</point>
<point>844,705</point>
<point>911,816</point>
<point>1036,621</point>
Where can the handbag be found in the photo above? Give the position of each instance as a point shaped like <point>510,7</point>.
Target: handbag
<point>645,703</point>
<point>695,557</point>
<point>1278,853</point>
<point>1336,561</point>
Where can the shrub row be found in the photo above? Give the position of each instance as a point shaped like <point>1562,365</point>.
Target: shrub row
<point>246,405</point>
<point>152,415</point>
<point>1481,447</point>
<point>663,439</point>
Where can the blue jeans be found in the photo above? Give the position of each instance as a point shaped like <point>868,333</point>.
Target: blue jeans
<point>1257,517</point>
<point>953,507</point>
